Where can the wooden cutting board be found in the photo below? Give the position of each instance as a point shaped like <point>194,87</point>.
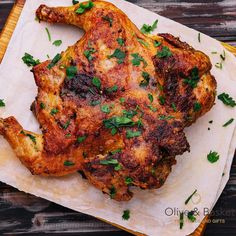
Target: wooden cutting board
<point>5,37</point>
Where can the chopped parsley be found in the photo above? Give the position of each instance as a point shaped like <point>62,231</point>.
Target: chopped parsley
<point>71,72</point>
<point>57,43</point>
<point>222,56</point>
<point>227,100</point>
<point>152,108</point>
<point>80,139</point>
<point>74,2</point>
<point>69,163</point>
<point>130,114</point>
<point>181,220</point>
<point>156,43</point>
<point>96,82</point>
<point>116,122</point>
<point>165,52</point>
<point>219,65</point>
<point>2,103</point>
<point>199,37</point>
<point>112,89</point>
<point>197,106</point>
<point>147,29</point>
<point>126,214</point>
<point>116,151</point>
<point>87,53</point>
<point>29,60</point>
<point>120,41</point>
<point>137,59</point>
<point>189,198</point>
<point>213,157</point>
<point>162,100</point>
<point>32,137</point>
<point>42,105</point>
<point>193,78</point>
<point>105,109</point>
<point>108,19</point>
<point>228,122</point>
<point>83,7</point>
<point>145,81</point>
<point>95,103</point>
<point>120,55</point>
<point>122,100</point>
<point>54,61</point>
<point>112,191</point>
<point>150,97</point>
<point>49,35</point>
<point>54,111</point>
<point>143,42</point>
<point>128,180</point>
<point>109,162</point>
<point>132,134</point>
<point>174,106</point>
<point>191,216</point>
<point>164,117</point>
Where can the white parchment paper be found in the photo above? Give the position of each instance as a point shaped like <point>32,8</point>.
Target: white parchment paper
<point>154,212</point>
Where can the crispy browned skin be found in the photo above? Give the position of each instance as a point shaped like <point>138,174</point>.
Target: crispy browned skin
<point>146,159</point>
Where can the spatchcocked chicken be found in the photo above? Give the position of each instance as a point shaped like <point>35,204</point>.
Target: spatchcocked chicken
<point>114,105</point>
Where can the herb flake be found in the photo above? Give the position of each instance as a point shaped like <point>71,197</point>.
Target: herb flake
<point>213,157</point>
<point>147,29</point>
<point>227,100</point>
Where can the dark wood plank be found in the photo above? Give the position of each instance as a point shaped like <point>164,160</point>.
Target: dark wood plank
<point>23,213</point>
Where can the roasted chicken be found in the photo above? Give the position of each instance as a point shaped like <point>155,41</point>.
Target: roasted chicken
<point>114,105</point>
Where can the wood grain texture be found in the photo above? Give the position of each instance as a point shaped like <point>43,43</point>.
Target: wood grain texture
<point>22,213</point>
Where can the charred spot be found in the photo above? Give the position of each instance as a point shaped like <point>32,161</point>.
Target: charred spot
<point>81,87</point>
<point>82,174</point>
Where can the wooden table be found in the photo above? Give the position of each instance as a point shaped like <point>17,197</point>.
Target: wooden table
<point>22,213</point>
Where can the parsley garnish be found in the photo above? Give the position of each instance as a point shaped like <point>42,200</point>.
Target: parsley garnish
<point>132,134</point>
<point>108,19</point>
<point>80,139</point>
<point>143,42</point>
<point>120,55</point>
<point>95,103</point>
<point>191,216</point>
<point>116,122</point>
<point>222,56</point>
<point>66,125</point>
<point>174,107</point>
<point>152,108</point>
<point>71,72</point>
<point>137,59</point>
<point>145,81</point>
<point>130,114</point>
<point>199,37</point>
<point>122,100</point>
<point>156,43</point>
<point>32,137</point>
<point>109,162</point>
<point>112,89</point>
<point>162,100</point>
<point>57,43</point>
<point>165,52</point>
<point>87,53</point>
<point>147,29</point>
<point>42,105</point>
<point>54,61</point>
<point>228,122</point>
<point>120,41</point>
<point>150,97</point>
<point>189,198</point>
<point>128,180</point>
<point>213,157</point>
<point>74,2</point>
<point>2,103</point>
<point>69,163</point>
<point>49,35</point>
<point>197,106</point>
<point>112,191</point>
<point>105,109</point>
<point>181,220</point>
<point>164,117</point>
<point>83,7</point>
<point>29,60</point>
<point>219,65</point>
<point>54,111</point>
<point>227,100</point>
<point>126,215</point>
<point>116,151</point>
<point>193,78</point>
<point>96,82</point>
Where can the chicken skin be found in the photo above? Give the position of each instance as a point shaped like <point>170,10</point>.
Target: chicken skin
<point>114,105</point>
